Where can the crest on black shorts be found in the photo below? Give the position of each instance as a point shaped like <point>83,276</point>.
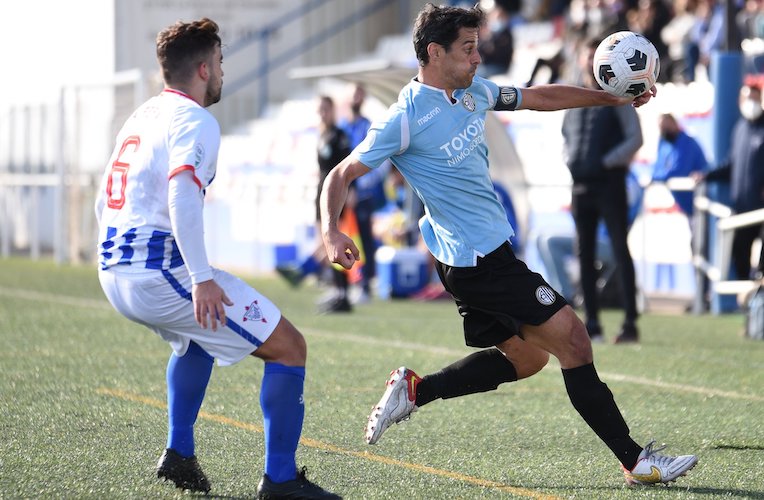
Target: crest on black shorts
<point>545,295</point>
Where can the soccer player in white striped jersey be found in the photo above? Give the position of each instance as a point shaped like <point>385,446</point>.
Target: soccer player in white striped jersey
<point>435,136</point>
<point>154,269</point>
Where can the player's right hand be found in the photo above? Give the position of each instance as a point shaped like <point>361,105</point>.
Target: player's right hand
<point>209,300</point>
<point>341,249</point>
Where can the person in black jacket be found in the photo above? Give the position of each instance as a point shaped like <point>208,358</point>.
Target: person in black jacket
<point>600,143</point>
<point>744,167</point>
<point>333,145</point>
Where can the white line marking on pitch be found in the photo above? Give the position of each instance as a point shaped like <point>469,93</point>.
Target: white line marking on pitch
<point>320,445</point>
<point>362,339</point>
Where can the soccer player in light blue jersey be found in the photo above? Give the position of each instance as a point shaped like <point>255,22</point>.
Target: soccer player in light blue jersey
<point>435,136</point>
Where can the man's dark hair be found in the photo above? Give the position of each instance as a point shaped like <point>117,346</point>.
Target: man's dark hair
<point>328,100</point>
<point>592,43</point>
<point>441,25</point>
<point>183,46</point>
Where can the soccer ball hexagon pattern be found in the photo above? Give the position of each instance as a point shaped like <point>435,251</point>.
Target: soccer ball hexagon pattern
<point>626,64</point>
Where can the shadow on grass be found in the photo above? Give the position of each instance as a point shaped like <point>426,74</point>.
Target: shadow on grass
<point>223,497</point>
<point>738,447</point>
<point>677,489</point>
<point>727,493</point>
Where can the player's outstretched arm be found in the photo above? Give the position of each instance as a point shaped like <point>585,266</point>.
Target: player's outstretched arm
<point>340,248</point>
<point>556,96</point>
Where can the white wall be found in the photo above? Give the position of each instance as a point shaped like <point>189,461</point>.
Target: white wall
<point>50,43</point>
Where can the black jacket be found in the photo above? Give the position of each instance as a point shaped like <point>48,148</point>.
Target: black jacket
<point>600,140</point>
<point>744,166</point>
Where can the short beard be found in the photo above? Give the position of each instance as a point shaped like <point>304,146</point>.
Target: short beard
<point>211,96</point>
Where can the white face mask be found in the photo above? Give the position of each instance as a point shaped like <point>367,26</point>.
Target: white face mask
<point>751,110</point>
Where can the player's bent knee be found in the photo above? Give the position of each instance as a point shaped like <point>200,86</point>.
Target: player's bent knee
<point>526,358</point>
<point>286,345</point>
<point>564,336</point>
<point>532,362</point>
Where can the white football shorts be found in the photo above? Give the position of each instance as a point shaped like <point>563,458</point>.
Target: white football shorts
<point>162,302</point>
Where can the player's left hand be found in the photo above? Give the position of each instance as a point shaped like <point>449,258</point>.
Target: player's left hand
<point>209,300</point>
<point>644,98</point>
<point>341,249</point>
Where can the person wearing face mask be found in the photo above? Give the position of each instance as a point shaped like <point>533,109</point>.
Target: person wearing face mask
<point>497,44</point>
<point>744,167</point>
<point>679,155</point>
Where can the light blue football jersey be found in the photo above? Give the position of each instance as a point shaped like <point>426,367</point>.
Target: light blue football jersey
<point>440,148</point>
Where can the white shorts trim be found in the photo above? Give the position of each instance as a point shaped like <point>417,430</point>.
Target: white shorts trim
<point>162,302</point>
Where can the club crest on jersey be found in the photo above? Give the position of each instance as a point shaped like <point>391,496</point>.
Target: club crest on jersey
<point>468,101</point>
<point>199,154</point>
<point>254,313</point>
<point>545,295</point>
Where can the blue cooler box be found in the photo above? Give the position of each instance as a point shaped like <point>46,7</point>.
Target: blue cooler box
<point>400,271</point>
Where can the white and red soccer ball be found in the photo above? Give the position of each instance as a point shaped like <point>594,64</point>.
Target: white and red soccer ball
<point>626,64</point>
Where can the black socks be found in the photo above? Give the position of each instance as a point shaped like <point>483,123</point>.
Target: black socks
<point>479,372</point>
<point>485,370</point>
<point>594,402</point>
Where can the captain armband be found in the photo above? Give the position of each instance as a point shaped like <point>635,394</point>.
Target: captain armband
<point>509,99</point>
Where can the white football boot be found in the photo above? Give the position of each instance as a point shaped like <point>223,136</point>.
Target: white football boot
<point>653,468</point>
<point>397,403</point>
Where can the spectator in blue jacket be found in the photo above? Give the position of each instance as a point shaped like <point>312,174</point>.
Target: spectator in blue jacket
<point>679,155</point>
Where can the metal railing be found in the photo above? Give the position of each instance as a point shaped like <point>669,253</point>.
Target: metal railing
<point>263,35</point>
<point>713,263</point>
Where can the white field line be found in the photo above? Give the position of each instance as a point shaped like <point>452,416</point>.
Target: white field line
<point>320,445</point>
<point>36,296</point>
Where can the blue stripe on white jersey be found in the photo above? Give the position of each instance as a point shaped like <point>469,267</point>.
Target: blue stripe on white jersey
<point>157,251</point>
<point>168,132</point>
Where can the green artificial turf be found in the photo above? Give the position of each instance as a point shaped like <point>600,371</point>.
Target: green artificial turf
<point>82,404</point>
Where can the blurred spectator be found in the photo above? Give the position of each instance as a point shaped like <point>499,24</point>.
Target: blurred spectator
<point>706,36</point>
<point>596,19</point>
<point>676,35</point>
<point>750,19</point>
<point>549,9</point>
<point>679,155</point>
<point>497,44</point>
<point>600,143</point>
<point>744,167</point>
<point>554,64</point>
<point>333,147</point>
<point>648,19</point>
<point>369,189</point>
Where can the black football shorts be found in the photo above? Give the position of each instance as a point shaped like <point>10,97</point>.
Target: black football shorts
<point>499,295</point>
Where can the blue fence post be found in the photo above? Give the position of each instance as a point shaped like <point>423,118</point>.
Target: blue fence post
<point>726,76</point>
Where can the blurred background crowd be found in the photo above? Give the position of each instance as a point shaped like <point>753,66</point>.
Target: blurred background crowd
<point>284,59</point>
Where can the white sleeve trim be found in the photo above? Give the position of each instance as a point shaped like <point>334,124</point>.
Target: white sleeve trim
<point>405,132</point>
